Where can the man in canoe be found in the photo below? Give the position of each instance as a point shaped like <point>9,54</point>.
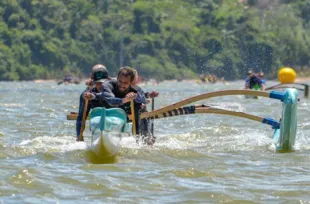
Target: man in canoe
<point>98,76</point>
<point>254,82</point>
<point>120,92</point>
<point>261,76</point>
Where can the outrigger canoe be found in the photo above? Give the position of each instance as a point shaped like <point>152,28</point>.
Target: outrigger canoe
<point>109,125</point>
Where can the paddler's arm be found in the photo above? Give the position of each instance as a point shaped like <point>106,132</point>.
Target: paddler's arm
<point>247,84</point>
<point>88,93</point>
<point>152,94</point>
<point>108,96</point>
<point>262,85</point>
<point>114,101</point>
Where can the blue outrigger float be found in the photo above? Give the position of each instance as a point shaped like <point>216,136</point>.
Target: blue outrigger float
<point>284,136</point>
<point>109,125</point>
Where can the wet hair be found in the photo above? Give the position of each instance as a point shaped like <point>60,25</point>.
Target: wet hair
<point>127,71</point>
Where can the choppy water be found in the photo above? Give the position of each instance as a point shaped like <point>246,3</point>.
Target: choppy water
<point>196,158</point>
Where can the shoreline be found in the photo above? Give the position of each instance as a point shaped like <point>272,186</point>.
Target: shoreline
<point>302,79</point>
<point>298,80</point>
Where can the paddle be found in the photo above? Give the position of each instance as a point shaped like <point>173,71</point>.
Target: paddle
<point>133,117</point>
<point>152,127</point>
<point>81,138</point>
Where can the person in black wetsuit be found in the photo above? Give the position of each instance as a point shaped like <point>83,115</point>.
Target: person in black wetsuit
<point>99,75</point>
<point>119,93</point>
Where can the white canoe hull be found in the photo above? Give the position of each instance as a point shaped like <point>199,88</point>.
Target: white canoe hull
<point>107,127</point>
<point>107,144</point>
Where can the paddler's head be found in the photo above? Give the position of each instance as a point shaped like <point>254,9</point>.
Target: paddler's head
<point>136,79</point>
<point>261,74</point>
<point>125,78</point>
<point>250,73</point>
<point>100,74</point>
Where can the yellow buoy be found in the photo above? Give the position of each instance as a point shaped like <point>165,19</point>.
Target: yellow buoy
<point>286,75</point>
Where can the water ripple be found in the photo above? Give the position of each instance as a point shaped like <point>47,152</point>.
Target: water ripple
<point>196,158</point>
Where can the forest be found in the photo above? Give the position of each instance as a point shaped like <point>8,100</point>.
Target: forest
<point>162,39</point>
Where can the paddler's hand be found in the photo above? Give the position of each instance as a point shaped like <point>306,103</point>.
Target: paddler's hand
<point>88,96</point>
<point>89,82</point>
<point>129,97</point>
<point>152,94</point>
<point>142,106</point>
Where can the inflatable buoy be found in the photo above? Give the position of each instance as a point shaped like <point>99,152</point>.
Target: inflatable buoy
<point>286,75</point>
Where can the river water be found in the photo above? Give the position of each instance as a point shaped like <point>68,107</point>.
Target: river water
<point>202,158</point>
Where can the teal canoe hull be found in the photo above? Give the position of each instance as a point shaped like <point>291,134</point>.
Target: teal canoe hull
<point>107,128</point>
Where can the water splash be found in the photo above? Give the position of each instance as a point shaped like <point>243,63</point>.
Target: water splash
<point>53,144</point>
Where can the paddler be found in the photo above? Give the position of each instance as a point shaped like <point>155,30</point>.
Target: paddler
<point>120,92</point>
<point>261,76</point>
<point>98,76</point>
<point>254,82</point>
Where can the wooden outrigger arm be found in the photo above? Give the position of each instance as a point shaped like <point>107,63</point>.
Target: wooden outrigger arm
<point>206,96</point>
<point>73,115</point>
<point>305,88</point>
<point>196,109</point>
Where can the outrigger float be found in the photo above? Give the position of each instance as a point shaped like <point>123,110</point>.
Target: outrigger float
<point>109,125</point>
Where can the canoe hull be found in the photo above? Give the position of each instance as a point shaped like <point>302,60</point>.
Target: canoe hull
<point>107,144</point>
<point>107,127</point>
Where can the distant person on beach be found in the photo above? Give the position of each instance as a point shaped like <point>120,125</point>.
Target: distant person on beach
<point>68,79</point>
<point>99,75</point>
<point>203,78</point>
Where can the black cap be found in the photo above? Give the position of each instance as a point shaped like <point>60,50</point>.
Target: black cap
<point>101,74</point>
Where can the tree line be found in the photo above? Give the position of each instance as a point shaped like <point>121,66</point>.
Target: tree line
<point>162,39</point>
